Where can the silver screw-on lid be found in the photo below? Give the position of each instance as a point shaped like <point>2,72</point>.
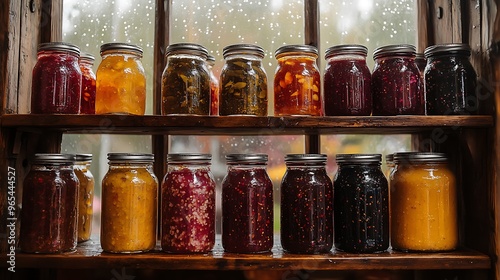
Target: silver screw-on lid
<point>246,158</point>
<point>121,47</point>
<point>346,49</point>
<point>308,49</point>
<point>358,158</point>
<point>132,157</point>
<point>59,46</point>
<point>403,50</point>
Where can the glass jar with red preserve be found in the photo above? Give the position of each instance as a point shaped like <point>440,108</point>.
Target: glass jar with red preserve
<point>188,204</point>
<point>347,87</point>
<point>247,205</point>
<point>396,82</point>
<point>50,203</point>
<point>57,79</point>
<point>306,205</point>
<point>297,84</point>
<point>87,101</point>
<point>214,87</point>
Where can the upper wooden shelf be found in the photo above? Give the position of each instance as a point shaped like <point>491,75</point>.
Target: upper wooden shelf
<point>240,125</point>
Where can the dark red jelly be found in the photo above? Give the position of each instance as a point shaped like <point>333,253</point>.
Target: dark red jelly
<point>50,201</point>
<point>306,205</point>
<point>87,102</point>
<point>57,80</point>
<point>396,82</point>
<point>188,205</point>
<point>347,81</point>
<point>361,199</point>
<point>247,205</point>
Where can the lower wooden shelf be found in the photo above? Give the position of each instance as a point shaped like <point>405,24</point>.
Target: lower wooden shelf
<point>89,255</point>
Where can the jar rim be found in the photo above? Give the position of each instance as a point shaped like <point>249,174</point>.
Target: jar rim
<point>309,158</point>
<point>283,50</point>
<point>419,157</point>
<point>87,57</point>
<point>451,48</point>
<point>133,157</point>
<point>186,48</point>
<point>246,158</point>
<point>181,157</point>
<point>401,49</point>
<point>41,158</point>
<point>346,49</point>
<point>83,157</point>
<point>59,46</point>
<point>243,49</point>
<point>358,158</point>
<point>121,47</point>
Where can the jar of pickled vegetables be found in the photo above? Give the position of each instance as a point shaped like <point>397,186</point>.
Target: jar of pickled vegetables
<point>347,81</point>
<point>121,81</point>
<point>361,199</point>
<point>56,80</point>
<point>129,204</point>
<point>188,204</point>
<point>247,205</point>
<point>87,100</point>
<point>50,203</point>
<point>214,87</point>
<point>243,89</point>
<point>396,82</point>
<point>297,84</point>
<point>423,203</point>
<point>185,82</point>
<point>450,80</point>
<point>85,197</point>
<point>306,205</point>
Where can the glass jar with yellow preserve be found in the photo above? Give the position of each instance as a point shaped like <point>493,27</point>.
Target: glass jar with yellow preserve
<point>85,196</point>
<point>129,204</point>
<point>120,80</point>
<point>423,203</point>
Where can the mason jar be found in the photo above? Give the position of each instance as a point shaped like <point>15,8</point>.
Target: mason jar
<point>129,204</point>
<point>121,81</point>
<point>56,79</point>
<point>247,205</point>
<point>87,100</point>
<point>361,200</point>
<point>85,197</point>
<point>188,204</point>
<point>214,87</point>
<point>50,205</point>
<point>243,81</point>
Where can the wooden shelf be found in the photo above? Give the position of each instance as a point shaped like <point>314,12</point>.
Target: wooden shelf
<point>239,125</point>
<point>89,255</point>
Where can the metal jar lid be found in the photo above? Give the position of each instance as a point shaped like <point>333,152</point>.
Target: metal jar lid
<point>189,157</point>
<point>358,158</point>
<point>87,57</point>
<point>121,47</point>
<point>59,46</point>
<point>246,158</point>
<point>309,158</point>
<point>243,49</point>
<point>299,49</point>
<point>394,50</point>
<point>83,157</point>
<point>131,157</point>
<point>389,158</point>
<point>346,49</point>
<point>413,157</point>
<point>187,48</point>
<point>53,158</point>
<point>455,48</point>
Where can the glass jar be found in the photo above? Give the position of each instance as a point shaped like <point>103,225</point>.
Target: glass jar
<point>450,80</point>
<point>421,62</point>
<point>50,202</point>
<point>247,205</point>
<point>243,89</point>
<point>57,79</point>
<point>389,164</point>
<point>87,100</point>
<point>396,82</point>
<point>214,87</point>
<point>306,205</point>
<point>347,81</point>
<point>188,204</point>
<point>121,81</point>
<point>129,204</point>
<point>423,203</point>
<point>361,199</point>
<point>297,84</point>
<point>185,82</point>
<point>85,197</point>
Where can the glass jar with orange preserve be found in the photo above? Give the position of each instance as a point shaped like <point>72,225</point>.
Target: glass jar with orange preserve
<point>423,203</point>
<point>57,79</point>
<point>87,101</point>
<point>297,84</point>
<point>129,201</point>
<point>85,197</point>
<point>214,87</point>
<point>121,82</point>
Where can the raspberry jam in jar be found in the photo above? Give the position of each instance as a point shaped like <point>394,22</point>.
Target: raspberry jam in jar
<point>87,102</point>
<point>243,89</point>
<point>50,205</point>
<point>361,199</point>
<point>121,81</point>
<point>57,80</point>
<point>247,205</point>
<point>306,205</point>
<point>214,87</point>
<point>185,82</point>
<point>450,80</point>
<point>188,204</point>
<point>347,81</point>
<point>85,197</point>
<point>297,84</point>
<point>396,82</point>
